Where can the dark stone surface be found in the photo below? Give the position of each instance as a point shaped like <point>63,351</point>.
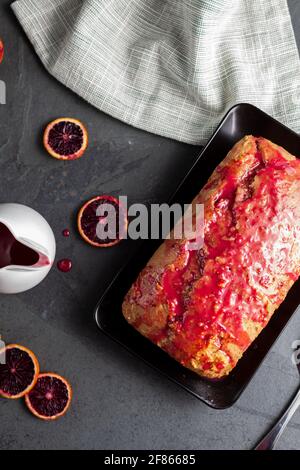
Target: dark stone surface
<point>118,401</point>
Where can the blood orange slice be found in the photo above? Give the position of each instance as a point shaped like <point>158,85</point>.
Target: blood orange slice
<point>112,223</point>
<point>66,139</point>
<point>50,398</point>
<point>1,50</point>
<point>19,373</point>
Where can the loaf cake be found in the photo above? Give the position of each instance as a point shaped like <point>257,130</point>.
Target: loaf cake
<point>205,307</point>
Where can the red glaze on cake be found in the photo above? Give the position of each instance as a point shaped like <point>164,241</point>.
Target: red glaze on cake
<point>205,308</point>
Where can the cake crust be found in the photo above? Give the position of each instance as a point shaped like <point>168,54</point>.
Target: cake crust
<point>205,307</point>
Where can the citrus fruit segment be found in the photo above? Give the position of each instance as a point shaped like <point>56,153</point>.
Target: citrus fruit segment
<point>50,398</point>
<point>66,139</point>
<point>19,373</point>
<point>102,221</point>
<point>1,50</point>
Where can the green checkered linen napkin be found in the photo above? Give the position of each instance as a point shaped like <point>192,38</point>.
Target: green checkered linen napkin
<point>172,67</point>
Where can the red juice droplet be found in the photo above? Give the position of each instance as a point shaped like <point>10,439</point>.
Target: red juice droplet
<point>66,232</point>
<point>64,265</point>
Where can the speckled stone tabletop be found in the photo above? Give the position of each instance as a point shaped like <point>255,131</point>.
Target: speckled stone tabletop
<point>119,402</point>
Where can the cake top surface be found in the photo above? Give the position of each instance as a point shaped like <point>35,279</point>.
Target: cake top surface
<point>216,298</point>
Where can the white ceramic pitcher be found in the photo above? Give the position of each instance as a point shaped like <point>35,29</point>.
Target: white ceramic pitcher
<point>32,230</point>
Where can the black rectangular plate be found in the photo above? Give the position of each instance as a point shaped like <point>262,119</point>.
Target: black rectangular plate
<point>241,120</point>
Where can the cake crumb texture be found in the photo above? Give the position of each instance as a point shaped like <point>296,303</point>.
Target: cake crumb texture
<point>205,307</point>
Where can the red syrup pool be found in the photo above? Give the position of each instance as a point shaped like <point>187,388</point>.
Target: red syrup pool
<point>64,265</point>
<point>13,252</point>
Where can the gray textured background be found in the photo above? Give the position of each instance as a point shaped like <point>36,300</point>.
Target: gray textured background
<point>119,403</point>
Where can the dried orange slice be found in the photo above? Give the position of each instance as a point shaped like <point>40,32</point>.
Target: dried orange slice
<point>50,398</point>
<point>19,373</point>
<point>1,50</point>
<point>66,139</point>
<point>114,222</point>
